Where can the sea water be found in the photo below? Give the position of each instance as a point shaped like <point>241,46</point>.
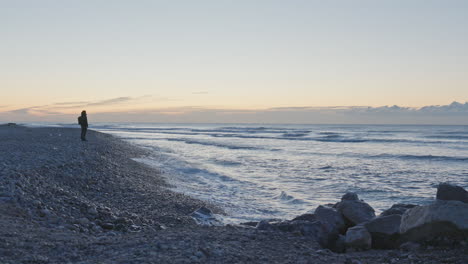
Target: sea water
<point>280,171</point>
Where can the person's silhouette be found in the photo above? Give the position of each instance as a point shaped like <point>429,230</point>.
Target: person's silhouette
<point>83,121</point>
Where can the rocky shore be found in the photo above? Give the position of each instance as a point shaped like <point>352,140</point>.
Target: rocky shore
<point>67,201</point>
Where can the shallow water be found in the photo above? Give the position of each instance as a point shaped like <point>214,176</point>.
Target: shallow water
<point>281,171</point>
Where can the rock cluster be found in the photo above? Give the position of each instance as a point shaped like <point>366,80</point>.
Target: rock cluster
<point>351,224</point>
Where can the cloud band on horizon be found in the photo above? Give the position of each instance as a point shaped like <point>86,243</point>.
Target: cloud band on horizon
<point>454,113</point>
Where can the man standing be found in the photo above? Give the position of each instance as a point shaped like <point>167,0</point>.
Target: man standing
<point>83,121</point>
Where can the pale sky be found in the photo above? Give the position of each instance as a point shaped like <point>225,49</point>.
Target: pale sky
<point>111,56</point>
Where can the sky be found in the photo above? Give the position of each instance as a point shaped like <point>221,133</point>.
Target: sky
<point>198,60</point>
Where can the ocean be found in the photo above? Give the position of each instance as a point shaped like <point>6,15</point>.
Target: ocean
<point>280,171</point>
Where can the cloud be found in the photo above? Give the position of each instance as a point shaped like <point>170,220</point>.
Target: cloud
<point>454,113</point>
<point>106,102</point>
<point>454,107</point>
<point>54,109</point>
<point>22,110</point>
<point>60,111</point>
<point>69,105</point>
<point>113,101</point>
<point>26,110</point>
<point>451,114</point>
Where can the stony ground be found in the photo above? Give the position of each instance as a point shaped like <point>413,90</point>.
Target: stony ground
<point>67,201</point>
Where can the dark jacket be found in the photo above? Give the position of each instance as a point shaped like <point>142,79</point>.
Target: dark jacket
<point>83,121</point>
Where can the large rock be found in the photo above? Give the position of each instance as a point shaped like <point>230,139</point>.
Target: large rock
<point>398,209</point>
<point>358,237</point>
<point>385,231</point>
<point>446,191</point>
<point>316,230</point>
<point>331,217</point>
<point>350,196</point>
<point>332,224</point>
<point>434,221</point>
<point>306,217</point>
<point>305,228</point>
<point>285,226</point>
<point>356,211</point>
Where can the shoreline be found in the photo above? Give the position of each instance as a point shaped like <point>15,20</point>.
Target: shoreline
<point>64,200</point>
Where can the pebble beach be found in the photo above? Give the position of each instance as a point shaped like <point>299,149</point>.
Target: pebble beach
<point>67,201</point>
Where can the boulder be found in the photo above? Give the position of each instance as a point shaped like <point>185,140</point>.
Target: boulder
<point>306,217</point>
<point>358,238</point>
<point>285,226</point>
<point>446,191</point>
<point>397,209</point>
<point>385,231</point>
<point>317,230</point>
<point>331,217</point>
<point>356,211</point>
<point>387,225</point>
<point>350,196</point>
<point>441,219</point>
<point>307,228</point>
